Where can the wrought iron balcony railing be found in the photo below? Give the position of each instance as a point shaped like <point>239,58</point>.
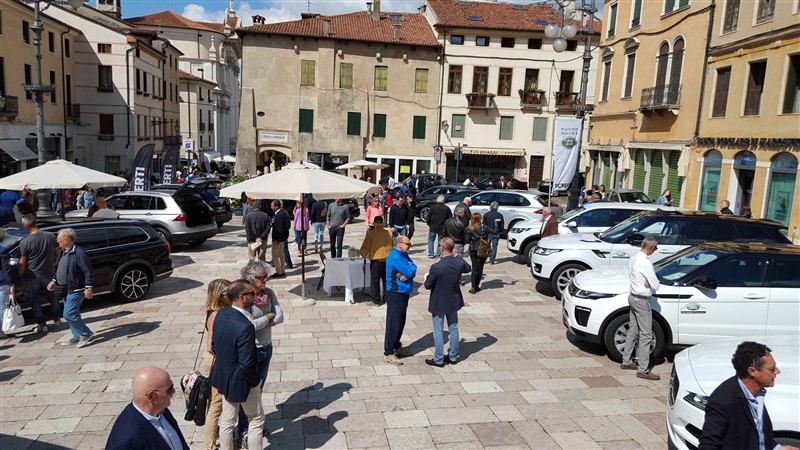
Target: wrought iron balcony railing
<point>667,96</point>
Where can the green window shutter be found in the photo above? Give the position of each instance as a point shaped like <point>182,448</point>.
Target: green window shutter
<point>674,182</point>
<point>637,13</point>
<point>506,128</point>
<point>345,76</point>
<point>354,124</point>
<point>656,174</point>
<point>638,171</point>
<point>421,81</point>
<point>306,120</point>
<point>540,129</point>
<point>612,22</point>
<point>682,3</point>
<point>459,125</point>
<point>418,131</point>
<point>669,5</point>
<point>379,125</point>
<point>381,78</point>
<point>606,171</point>
<point>307,72</point>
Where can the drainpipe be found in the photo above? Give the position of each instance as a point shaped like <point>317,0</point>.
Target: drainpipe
<point>705,64</point>
<point>64,94</point>
<point>441,96</point>
<point>128,89</point>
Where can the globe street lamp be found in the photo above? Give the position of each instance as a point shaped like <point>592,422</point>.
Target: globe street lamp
<point>566,29</point>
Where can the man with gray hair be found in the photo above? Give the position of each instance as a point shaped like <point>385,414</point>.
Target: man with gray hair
<point>549,226</point>
<point>643,283</point>
<point>456,229</point>
<point>494,222</point>
<point>36,265</point>
<point>73,282</point>
<point>437,216</point>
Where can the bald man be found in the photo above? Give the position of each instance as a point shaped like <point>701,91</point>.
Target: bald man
<point>146,423</point>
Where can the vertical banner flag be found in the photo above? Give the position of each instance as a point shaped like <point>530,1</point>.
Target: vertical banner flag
<point>567,150</point>
<point>140,178</point>
<point>170,165</point>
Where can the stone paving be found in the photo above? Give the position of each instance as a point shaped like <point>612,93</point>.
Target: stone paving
<point>520,383</point>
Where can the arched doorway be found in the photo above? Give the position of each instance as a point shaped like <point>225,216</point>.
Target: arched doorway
<point>783,176</point>
<point>744,169</point>
<point>709,188</point>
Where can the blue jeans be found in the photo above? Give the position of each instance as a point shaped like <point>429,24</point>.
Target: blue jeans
<point>494,239</point>
<point>72,314</point>
<point>438,336</point>
<point>35,287</point>
<point>319,233</point>
<point>4,293</point>
<point>298,239</point>
<point>400,231</point>
<point>286,255</point>
<point>337,239</point>
<point>264,355</point>
<point>434,251</point>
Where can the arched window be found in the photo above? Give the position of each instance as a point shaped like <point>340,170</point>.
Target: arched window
<point>631,46</point>
<point>662,64</point>
<point>677,62</point>
<point>783,179</point>
<point>709,188</point>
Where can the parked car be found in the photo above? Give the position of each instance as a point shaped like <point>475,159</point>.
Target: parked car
<point>428,197</point>
<point>127,256</point>
<point>492,182</point>
<point>708,291</point>
<point>208,188</point>
<point>178,217</point>
<point>698,370</point>
<point>352,206</point>
<point>557,259</point>
<point>515,206</point>
<point>587,219</point>
<point>627,196</point>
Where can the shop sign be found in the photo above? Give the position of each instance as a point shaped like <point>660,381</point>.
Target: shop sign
<point>747,142</point>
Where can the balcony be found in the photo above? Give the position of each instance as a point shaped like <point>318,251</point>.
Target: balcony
<point>74,112</point>
<point>532,98</point>
<point>9,107</point>
<point>661,98</point>
<point>567,100</point>
<point>479,100</point>
<point>202,126</point>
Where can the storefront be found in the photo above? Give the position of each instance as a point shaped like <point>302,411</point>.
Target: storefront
<point>709,187</point>
<point>605,166</point>
<point>659,166</point>
<point>400,167</point>
<point>782,187</point>
<point>479,163</point>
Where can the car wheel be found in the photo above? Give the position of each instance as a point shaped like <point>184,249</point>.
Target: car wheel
<point>528,251</point>
<point>511,225</point>
<point>196,242</point>
<point>165,235</point>
<point>423,213</point>
<point>563,276</point>
<point>133,284</point>
<point>617,332</point>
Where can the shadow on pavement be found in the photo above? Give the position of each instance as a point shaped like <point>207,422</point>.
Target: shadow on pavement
<point>599,350</point>
<point>465,348</point>
<point>20,443</point>
<point>545,289</point>
<point>127,331</point>
<point>497,284</point>
<point>173,285</point>
<point>8,375</point>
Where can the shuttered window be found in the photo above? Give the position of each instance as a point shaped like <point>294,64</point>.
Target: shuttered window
<point>638,171</point>
<point>345,76</point>
<point>306,121</point>
<point>418,131</point>
<point>381,78</point>
<point>612,21</point>
<point>607,170</point>
<point>630,69</point>
<point>656,174</point>
<point>421,81</point>
<point>755,87</point>
<point>791,98</point>
<point>540,129</point>
<point>674,182</point>
<point>308,71</point>
<point>507,128</point>
<point>731,16</point>
<point>454,80</point>
<point>606,79</point>
<point>637,13</point>
<point>379,125</point>
<point>354,124</point>
<point>721,92</point>
<point>459,125</point>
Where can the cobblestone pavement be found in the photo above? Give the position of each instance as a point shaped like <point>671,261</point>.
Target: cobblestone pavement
<point>520,383</point>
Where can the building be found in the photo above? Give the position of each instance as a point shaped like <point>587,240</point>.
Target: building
<point>18,142</point>
<point>652,60</point>
<point>749,139</point>
<point>502,86</point>
<point>197,112</point>
<point>333,89</point>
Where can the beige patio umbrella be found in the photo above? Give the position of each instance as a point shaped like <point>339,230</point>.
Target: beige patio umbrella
<point>59,174</point>
<point>362,164</point>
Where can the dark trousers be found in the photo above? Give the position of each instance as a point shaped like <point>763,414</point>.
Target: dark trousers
<point>396,308</point>
<point>377,276</point>
<point>411,228</point>
<point>36,288</point>
<point>337,238</point>
<point>286,255</point>
<point>477,269</point>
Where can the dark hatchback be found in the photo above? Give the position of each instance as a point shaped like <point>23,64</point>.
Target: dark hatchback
<point>451,194</point>
<point>492,182</point>
<point>127,256</point>
<point>208,188</point>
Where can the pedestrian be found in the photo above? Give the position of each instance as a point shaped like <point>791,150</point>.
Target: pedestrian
<point>300,226</point>
<point>267,313</point>
<point>146,423</point>
<point>550,224</point>
<point>8,277</point>
<point>502,183</point>
<point>102,211</point>
<point>235,372</point>
<point>319,213</point>
<point>665,199</point>
<point>400,272</point>
<point>495,223</point>
<point>72,281</point>
<point>337,219</point>
<point>437,216</point>
<point>23,208</point>
<point>257,226</point>
<point>88,198</point>
<point>412,213</point>
<point>444,282</point>
<point>8,203</point>
<point>643,283</point>
<point>376,247</point>
<point>374,210</point>
<point>280,236</point>
<point>746,212</point>
<point>466,203</point>
<point>37,263</point>
<point>247,206</point>
<point>398,217</point>
<point>602,192</point>
<point>391,184</point>
<point>725,207</point>
<point>217,298</point>
<point>476,232</point>
<point>456,229</point>
<point>735,415</point>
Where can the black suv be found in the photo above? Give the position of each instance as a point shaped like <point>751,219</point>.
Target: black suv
<point>451,193</point>
<point>208,188</point>
<point>127,256</point>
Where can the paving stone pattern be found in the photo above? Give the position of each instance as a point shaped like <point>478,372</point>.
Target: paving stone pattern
<point>520,382</point>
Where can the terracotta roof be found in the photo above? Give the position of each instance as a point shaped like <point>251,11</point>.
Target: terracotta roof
<point>357,26</point>
<point>494,16</point>
<point>187,76</point>
<point>171,19</point>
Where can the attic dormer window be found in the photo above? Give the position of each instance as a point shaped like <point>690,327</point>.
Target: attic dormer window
<point>396,17</point>
<point>463,3</point>
<point>519,7</point>
<point>475,18</point>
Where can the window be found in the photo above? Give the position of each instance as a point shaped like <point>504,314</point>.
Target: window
<point>379,125</point>
<point>28,80</point>
<point>53,82</point>
<point>482,41</point>
<point>565,81</point>
<point>508,42</point>
<point>766,9</point>
<point>786,273</point>
<point>755,87</point>
<point>739,272</point>
<point>51,42</point>
<point>107,124</point>
<point>345,76</point>
<point>67,50</point>
<point>791,97</point>
<point>612,20</point>
<point>457,39</point>
<point>606,78</point>
<point>381,78</point>
<point>531,78</point>
<point>354,124</point>
<point>510,199</point>
<point>421,81</point>
<point>91,239</point>
<point>677,63</point>
<point>138,81</point>
<point>480,79</point>
<point>731,19</point>
<point>534,44</point>
<point>662,64</point>
<point>127,235</point>
<point>594,218</point>
<point>540,129</point>
<point>721,92</point>
<point>170,92</point>
<point>418,131</point>
<point>506,128</point>
<point>674,5</point>
<point>2,75</point>
<point>306,121</point>
<point>504,81</point>
<point>144,86</point>
<point>630,70</point>
<point>104,79</point>
<point>454,80</point>
<point>636,13</point>
<point>103,48</point>
<point>26,32</point>
<point>308,71</point>
<point>459,125</point>
<point>572,45</point>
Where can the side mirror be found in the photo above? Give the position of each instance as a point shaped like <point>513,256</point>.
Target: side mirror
<point>705,283</point>
<point>635,239</point>
<point>572,224</point>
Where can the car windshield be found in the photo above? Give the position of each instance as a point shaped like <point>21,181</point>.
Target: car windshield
<point>634,197</point>
<point>618,231</point>
<point>574,213</point>
<point>684,263</point>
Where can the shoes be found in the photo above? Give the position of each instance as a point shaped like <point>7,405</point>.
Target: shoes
<point>72,341</point>
<point>431,256</point>
<point>431,362</point>
<point>393,360</point>
<point>242,444</point>
<point>279,275</point>
<point>56,324</point>
<point>648,376</point>
<point>492,263</point>
<point>631,366</point>
<point>290,266</point>
<point>40,328</point>
<point>474,291</point>
<point>403,352</point>
<point>85,340</point>
<point>449,361</point>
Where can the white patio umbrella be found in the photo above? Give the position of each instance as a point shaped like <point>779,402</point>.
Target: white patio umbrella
<point>59,174</point>
<point>225,158</point>
<point>362,164</point>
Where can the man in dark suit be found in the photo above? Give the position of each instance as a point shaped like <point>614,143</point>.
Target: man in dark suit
<point>235,372</point>
<point>735,414</point>
<point>444,282</point>
<point>146,423</point>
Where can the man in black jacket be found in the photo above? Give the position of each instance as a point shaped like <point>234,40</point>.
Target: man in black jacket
<point>280,234</point>
<point>399,217</point>
<point>456,229</point>
<point>495,223</point>
<point>437,216</point>
<point>256,226</point>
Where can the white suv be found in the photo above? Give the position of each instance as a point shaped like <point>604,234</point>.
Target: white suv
<point>515,206</point>
<point>708,291</point>
<point>524,236</point>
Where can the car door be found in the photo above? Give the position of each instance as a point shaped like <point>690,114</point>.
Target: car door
<point>481,202</point>
<point>784,295</point>
<point>95,242</point>
<point>737,306</point>
<point>590,221</point>
<point>666,230</point>
<point>513,207</point>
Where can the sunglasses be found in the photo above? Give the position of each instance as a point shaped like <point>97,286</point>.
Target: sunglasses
<point>261,277</point>
<point>249,293</point>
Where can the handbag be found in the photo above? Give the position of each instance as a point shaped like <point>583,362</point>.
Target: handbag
<point>484,248</point>
<point>197,390</point>
<point>12,316</point>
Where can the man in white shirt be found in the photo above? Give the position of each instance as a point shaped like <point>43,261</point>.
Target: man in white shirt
<point>643,283</point>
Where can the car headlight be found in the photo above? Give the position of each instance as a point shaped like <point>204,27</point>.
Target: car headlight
<point>582,293</point>
<point>519,230</point>
<point>697,400</point>
<point>546,251</point>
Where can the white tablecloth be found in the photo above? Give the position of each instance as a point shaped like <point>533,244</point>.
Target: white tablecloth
<point>352,273</point>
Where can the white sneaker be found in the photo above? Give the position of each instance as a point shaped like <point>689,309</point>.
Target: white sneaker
<point>71,341</point>
<point>85,340</point>
<point>393,360</point>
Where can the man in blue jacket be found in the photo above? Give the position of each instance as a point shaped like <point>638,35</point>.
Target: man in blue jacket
<point>444,282</point>
<point>73,282</point>
<point>400,272</point>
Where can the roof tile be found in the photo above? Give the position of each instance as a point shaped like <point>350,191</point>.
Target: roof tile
<point>495,15</point>
<point>171,19</point>
<point>187,76</point>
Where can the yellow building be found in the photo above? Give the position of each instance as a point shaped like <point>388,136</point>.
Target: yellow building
<point>749,138</point>
<point>648,79</point>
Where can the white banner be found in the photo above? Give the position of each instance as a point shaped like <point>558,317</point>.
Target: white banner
<point>567,150</point>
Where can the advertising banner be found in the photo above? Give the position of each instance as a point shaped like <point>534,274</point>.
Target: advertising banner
<point>567,150</point>
<point>140,177</point>
<point>170,166</point>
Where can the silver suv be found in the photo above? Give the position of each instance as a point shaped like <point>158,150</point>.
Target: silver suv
<point>179,216</point>
<point>515,206</point>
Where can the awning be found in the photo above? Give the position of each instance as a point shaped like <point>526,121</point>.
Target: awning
<point>488,151</point>
<point>667,146</point>
<point>18,151</point>
<point>603,148</point>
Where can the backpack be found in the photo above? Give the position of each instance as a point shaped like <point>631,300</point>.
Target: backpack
<point>484,248</point>
<point>197,391</point>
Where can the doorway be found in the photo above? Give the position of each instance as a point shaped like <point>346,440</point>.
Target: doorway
<point>535,171</point>
<point>744,193</point>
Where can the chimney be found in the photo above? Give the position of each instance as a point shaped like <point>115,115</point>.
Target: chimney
<point>326,27</point>
<point>376,11</point>
<point>369,7</point>
<point>397,32</point>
